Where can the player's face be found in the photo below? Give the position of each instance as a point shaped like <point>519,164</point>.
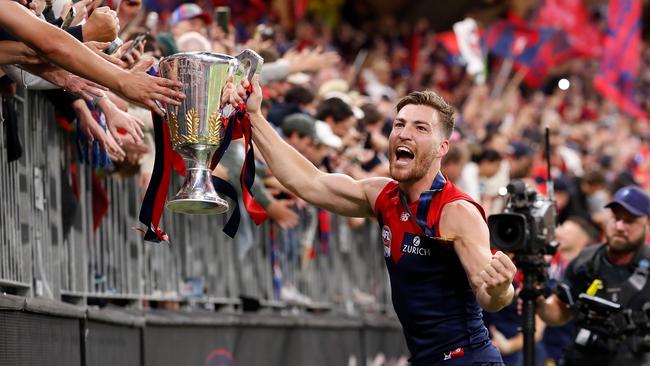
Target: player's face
<point>625,232</point>
<point>415,142</point>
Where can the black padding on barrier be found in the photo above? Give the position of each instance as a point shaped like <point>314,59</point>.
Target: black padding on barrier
<point>35,339</point>
<point>109,345</point>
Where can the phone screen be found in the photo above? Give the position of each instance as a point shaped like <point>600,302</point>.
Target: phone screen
<point>222,16</point>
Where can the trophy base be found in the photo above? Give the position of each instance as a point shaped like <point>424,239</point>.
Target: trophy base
<point>193,206</point>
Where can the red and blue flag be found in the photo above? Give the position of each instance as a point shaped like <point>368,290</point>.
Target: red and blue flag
<point>517,41</point>
<point>621,56</point>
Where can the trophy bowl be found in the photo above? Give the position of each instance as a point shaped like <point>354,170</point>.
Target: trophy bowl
<point>195,127</point>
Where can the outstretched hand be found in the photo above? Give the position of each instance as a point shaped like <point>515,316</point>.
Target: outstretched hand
<point>145,90</point>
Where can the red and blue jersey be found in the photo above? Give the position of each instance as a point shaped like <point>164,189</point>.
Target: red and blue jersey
<point>431,294</point>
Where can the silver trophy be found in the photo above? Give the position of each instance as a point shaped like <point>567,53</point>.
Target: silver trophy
<point>195,126</point>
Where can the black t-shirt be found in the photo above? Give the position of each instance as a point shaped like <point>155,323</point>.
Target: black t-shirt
<point>591,264</point>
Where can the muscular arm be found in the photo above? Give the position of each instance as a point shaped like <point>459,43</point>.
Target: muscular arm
<point>334,192</point>
<point>553,311</point>
<point>461,222</point>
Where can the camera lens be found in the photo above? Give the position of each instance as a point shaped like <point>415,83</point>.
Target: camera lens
<point>507,231</point>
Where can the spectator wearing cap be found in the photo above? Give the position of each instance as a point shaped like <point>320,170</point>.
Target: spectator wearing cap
<point>300,132</point>
<point>189,18</point>
<point>624,256</point>
<point>185,18</point>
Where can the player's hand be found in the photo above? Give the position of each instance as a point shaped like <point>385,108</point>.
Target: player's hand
<point>497,275</point>
<point>254,103</point>
<point>234,94</point>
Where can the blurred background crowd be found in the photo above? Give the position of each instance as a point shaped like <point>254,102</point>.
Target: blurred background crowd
<point>333,72</point>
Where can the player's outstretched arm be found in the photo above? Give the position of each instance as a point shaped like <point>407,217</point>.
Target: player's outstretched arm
<point>334,192</point>
<point>489,275</point>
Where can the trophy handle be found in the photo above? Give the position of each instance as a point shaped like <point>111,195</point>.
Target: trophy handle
<point>250,63</point>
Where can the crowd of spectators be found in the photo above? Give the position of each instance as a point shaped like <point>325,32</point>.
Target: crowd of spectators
<point>330,82</point>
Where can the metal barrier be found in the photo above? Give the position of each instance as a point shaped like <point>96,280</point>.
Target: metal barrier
<point>48,247</point>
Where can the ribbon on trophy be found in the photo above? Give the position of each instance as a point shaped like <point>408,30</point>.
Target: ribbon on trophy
<point>237,125</point>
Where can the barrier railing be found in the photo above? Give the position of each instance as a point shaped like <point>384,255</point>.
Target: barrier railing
<point>48,247</point>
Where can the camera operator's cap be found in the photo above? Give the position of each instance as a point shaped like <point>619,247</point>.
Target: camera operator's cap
<point>633,199</point>
<point>520,150</point>
<point>302,123</point>
<point>189,11</point>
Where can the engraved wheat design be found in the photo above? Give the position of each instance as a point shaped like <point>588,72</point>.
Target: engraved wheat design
<point>173,127</point>
<point>192,127</point>
<point>214,133</point>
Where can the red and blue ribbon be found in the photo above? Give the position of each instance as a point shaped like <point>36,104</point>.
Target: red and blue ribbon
<point>237,126</point>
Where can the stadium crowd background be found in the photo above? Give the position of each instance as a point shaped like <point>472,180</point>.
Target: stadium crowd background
<point>332,75</point>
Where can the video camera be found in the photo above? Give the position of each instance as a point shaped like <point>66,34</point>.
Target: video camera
<point>604,324</point>
<point>527,226</point>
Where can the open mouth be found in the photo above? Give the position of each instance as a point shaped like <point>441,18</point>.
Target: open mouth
<point>404,154</point>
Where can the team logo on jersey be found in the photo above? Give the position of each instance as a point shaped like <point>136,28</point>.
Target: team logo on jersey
<point>412,244</point>
<point>456,353</point>
<point>404,216</point>
<point>386,237</point>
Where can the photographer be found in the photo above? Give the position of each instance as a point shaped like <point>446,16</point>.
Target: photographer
<point>615,271</point>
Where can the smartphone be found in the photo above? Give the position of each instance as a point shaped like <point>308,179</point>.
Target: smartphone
<point>136,43</point>
<point>69,18</point>
<point>222,17</point>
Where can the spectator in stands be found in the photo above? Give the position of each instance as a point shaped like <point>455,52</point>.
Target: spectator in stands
<point>63,50</point>
<point>572,236</point>
<point>186,18</point>
<point>453,163</point>
<point>338,115</point>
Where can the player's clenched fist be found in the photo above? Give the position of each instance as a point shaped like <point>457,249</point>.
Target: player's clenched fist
<point>498,274</point>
